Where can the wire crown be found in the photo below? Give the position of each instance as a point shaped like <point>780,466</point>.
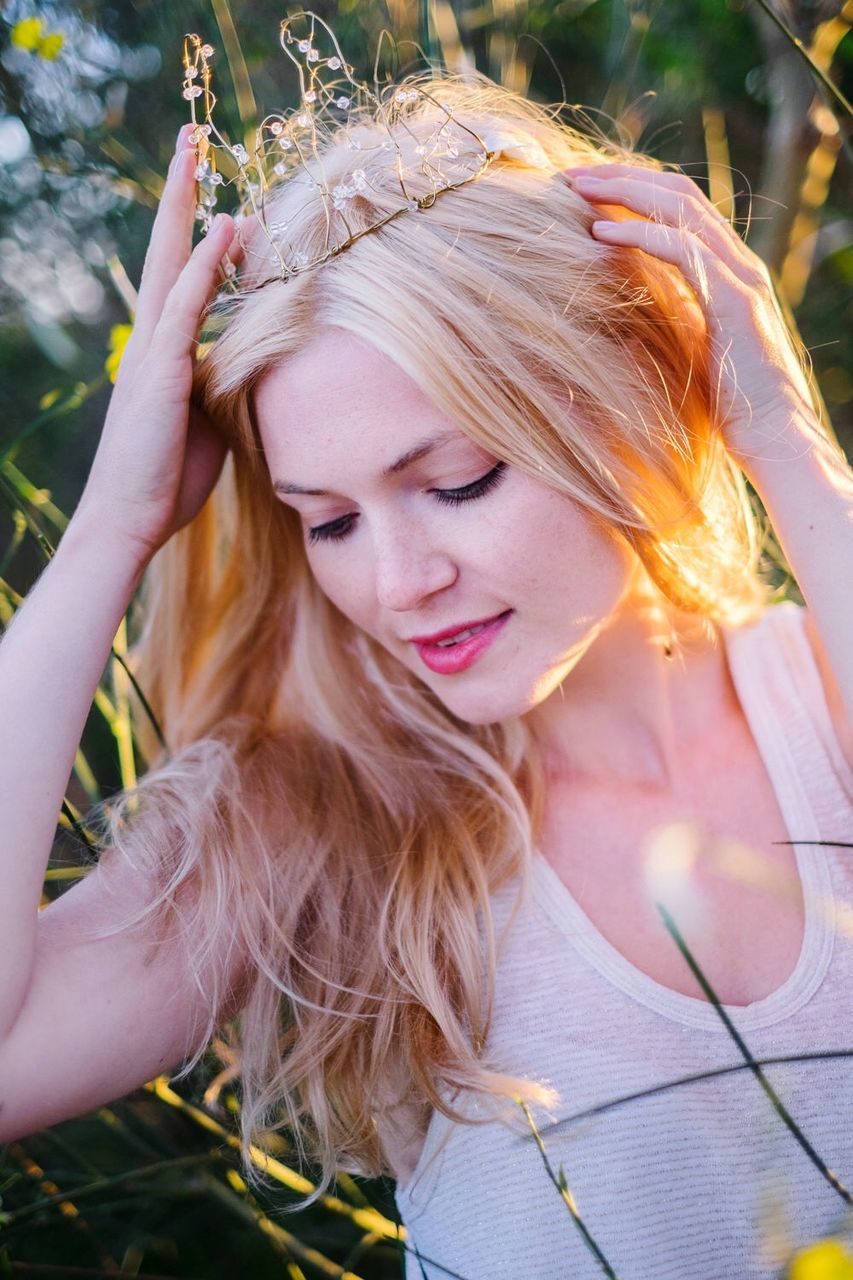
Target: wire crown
<point>426,148</point>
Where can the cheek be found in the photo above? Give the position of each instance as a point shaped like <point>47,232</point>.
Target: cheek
<point>566,559</point>
<point>342,580</point>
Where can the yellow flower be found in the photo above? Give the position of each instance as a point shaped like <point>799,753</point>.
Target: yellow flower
<point>49,47</point>
<point>825,1260</point>
<point>30,34</point>
<point>119,335</point>
<point>26,34</point>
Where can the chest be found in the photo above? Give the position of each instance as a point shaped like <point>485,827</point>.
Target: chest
<point>714,855</point>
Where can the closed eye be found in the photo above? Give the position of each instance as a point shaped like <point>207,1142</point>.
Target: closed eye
<point>336,530</point>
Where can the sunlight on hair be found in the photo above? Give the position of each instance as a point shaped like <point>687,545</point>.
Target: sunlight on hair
<point>590,379</point>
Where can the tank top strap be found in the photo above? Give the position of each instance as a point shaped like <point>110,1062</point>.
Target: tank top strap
<point>779,685</point>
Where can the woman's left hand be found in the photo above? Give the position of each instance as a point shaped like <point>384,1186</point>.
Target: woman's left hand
<point>763,399</point>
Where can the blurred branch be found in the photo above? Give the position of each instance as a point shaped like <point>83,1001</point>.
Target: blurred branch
<point>240,1202</point>
<point>90,1273</point>
<point>403,21</point>
<point>425,27</point>
<point>121,283</point>
<point>803,139</point>
<point>625,47</point>
<point>776,1102</point>
<point>72,819</point>
<point>73,400</point>
<point>508,63</point>
<point>104,1184</point>
<point>560,1182</point>
<point>454,53</point>
<point>797,264</point>
<point>121,725</point>
<point>246,105</point>
<point>841,23</point>
<point>680,1082</point>
<point>147,184</point>
<point>38,498</point>
<point>366,1219</point>
<point>720,186</point>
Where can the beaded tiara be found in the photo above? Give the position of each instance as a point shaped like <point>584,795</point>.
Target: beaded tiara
<point>420,144</point>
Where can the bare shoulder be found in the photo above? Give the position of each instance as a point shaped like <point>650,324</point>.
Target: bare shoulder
<point>109,1005</point>
<point>834,701</point>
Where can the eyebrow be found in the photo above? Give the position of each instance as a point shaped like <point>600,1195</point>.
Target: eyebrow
<point>406,460</point>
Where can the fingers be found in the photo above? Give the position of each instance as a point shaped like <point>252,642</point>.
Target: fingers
<point>698,263</point>
<point>175,334</point>
<point>673,200</point>
<point>171,240</point>
<point>236,250</point>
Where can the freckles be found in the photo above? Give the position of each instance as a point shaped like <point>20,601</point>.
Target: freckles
<point>346,588</point>
<point>331,584</point>
<point>569,558</point>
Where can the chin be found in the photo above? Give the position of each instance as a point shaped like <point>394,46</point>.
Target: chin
<point>505,700</point>
<point>486,705</point>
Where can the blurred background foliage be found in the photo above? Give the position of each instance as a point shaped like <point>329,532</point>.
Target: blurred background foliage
<point>90,103</point>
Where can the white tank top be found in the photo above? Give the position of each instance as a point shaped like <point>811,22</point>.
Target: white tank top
<point>702,1181</point>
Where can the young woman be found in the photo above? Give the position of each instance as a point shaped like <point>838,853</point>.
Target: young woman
<point>453,625</point>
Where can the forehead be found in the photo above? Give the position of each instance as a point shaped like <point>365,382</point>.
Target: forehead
<point>338,398</point>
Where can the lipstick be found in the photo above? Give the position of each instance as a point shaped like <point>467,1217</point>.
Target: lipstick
<point>447,659</point>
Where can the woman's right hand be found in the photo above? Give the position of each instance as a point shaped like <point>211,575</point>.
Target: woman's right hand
<point>158,457</point>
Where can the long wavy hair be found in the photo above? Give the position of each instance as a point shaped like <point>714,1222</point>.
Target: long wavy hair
<point>321,819</point>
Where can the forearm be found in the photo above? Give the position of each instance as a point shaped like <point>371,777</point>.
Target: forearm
<point>51,660</point>
<point>807,490</point>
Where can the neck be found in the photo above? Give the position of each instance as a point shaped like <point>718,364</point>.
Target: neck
<point>630,714</point>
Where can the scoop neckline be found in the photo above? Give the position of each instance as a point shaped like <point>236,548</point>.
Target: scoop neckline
<point>747,654</point>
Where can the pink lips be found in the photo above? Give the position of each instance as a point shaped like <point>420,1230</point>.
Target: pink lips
<point>446,660</point>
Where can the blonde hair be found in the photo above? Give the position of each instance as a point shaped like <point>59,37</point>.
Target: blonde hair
<point>318,794</point>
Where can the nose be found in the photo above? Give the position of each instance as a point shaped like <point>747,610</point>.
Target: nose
<point>409,569</point>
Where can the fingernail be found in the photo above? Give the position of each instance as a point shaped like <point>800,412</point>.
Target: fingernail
<point>178,159</point>
<point>180,136</point>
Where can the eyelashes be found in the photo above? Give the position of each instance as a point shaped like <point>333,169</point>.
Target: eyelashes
<point>338,529</point>
<point>478,489</point>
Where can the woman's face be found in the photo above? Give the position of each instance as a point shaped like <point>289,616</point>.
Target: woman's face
<point>413,530</point>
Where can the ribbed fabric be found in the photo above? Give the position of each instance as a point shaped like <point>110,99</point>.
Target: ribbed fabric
<point>702,1181</point>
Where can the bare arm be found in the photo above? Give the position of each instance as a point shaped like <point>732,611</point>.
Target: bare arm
<point>762,403</point>
<point>51,660</point>
<point>155,466</point>
<point>101,1015</point>
<point>807,489</point>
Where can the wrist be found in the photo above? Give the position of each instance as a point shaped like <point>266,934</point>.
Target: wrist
<point>792,435</point>
<point>92,531</point>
